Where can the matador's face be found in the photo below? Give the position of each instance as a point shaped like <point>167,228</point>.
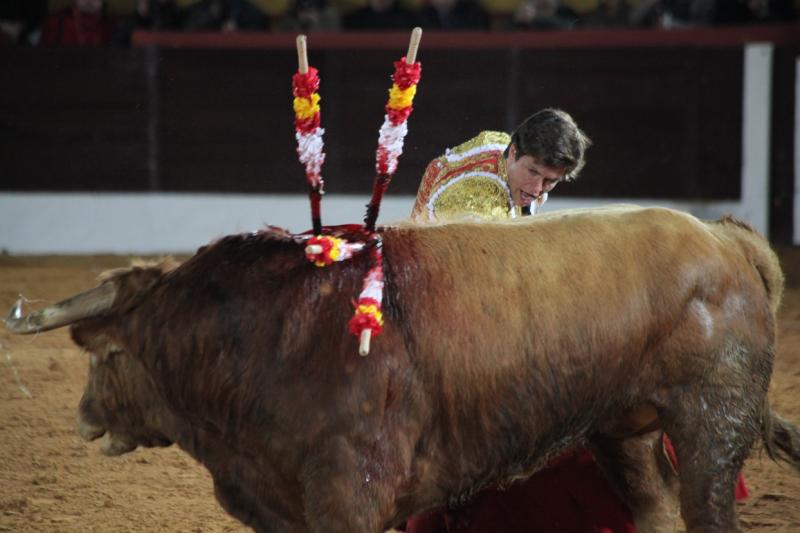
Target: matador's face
<point>528,179</point>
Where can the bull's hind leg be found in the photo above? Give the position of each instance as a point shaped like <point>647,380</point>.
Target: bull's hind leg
<point>642,476</point>
<point>713,422</point>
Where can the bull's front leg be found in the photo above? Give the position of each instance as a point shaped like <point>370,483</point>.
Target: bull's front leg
<point>342,492</point>
<point>236,496</point>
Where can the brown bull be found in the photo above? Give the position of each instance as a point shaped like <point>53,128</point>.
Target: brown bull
<point>504,345</point>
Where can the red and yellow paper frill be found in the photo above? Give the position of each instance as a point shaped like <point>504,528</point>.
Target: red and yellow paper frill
<point>401,95</point>
<point>368,315</point>
<point>394,127</point>
<point>331,250</point>
<point>324,250</point>
<point>306,101</point>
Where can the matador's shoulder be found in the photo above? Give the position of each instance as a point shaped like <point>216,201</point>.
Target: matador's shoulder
<point>475,167</point>
<point>485,141</point>
<point>484,150</point>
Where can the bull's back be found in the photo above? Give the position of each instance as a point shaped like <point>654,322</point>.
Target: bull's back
<point>518,290</point>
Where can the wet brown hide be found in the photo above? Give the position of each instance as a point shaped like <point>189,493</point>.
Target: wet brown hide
<point>504,344</point>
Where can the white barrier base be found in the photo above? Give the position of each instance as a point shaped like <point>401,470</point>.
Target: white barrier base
<point>96,223</point>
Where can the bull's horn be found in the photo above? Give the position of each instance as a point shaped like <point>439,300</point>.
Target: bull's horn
<point>84,305</point>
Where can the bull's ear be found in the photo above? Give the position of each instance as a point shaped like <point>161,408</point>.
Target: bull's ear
<point>147,269</point>
<point>134,282</point>
<point>98,342</point>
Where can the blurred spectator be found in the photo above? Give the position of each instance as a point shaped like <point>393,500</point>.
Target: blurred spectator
<point>204,15</point>
<point>379,15</point>
<point>608,14</point>
<point>244,16</point>
<point>309,15</point>
<point>84,23</point>
<point>226,15</point>
<point>158,14</point>
<point>21,20</point>
<point>543,15</point>
<point>453,15</point>
<point>753,11</point>
<point>148,15</point>
<point>673,13</point>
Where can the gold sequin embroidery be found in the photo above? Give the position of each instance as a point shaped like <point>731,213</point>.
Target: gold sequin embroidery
<point>477,197</point>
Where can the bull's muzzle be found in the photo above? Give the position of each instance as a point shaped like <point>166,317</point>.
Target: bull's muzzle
<point>111,445</point>
<point>87,430</point>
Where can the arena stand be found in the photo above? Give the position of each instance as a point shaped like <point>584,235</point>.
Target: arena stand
<point>186,137</point>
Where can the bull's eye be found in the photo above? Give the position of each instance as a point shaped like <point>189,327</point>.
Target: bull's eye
<point>113,348</point>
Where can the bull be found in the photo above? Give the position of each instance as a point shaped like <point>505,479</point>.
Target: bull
<point>504,345</point>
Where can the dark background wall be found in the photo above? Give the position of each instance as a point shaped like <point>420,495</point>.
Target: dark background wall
<point>665,117</point>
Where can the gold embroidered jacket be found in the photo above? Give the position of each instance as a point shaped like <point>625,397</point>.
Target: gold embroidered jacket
<point>467,182</point>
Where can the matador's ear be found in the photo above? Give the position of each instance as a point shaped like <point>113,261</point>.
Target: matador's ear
<point>512,151</point>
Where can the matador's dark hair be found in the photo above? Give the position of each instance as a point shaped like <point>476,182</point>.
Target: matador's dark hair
<point>553,138</point>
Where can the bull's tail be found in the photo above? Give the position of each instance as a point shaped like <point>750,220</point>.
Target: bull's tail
<point>758,252</point>
<point>781,438</point>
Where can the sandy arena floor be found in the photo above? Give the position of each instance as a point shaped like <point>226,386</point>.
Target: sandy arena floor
<point>53,481</point>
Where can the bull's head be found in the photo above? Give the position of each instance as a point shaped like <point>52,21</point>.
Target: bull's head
<point>120,401</point>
